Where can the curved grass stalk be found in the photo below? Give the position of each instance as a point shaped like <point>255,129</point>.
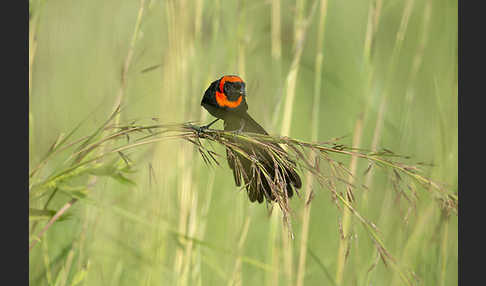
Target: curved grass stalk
<point>86,161</point>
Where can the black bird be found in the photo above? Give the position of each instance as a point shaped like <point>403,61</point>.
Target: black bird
<point>225,99</point>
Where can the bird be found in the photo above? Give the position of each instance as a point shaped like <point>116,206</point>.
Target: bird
<point>225,99</point>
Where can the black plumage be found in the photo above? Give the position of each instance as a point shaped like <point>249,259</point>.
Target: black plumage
<point>236,118</point>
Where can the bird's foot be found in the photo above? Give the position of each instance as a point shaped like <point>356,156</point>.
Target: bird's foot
<point>203,128</point>
<point>240,130</point>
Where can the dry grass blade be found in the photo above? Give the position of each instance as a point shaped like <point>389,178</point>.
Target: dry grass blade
<point>337,177</point>
<point>333,174</point>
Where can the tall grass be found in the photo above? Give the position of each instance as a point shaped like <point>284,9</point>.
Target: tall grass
<point>314,137</point>
<point>113,206</point>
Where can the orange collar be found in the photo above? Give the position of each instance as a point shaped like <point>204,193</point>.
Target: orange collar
<point>228,78</point>
<point>223,101</point>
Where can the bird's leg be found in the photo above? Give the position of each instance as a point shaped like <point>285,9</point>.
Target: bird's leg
<point>242,125</point>
<point>204,127</point>
<point>209,125</point>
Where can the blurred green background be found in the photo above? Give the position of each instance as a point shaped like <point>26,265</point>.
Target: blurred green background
<point>388,65</point>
